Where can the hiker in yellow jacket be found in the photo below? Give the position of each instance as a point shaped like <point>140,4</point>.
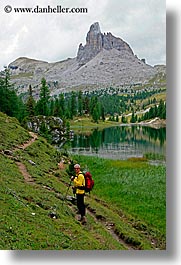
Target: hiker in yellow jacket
<point>79,184</point>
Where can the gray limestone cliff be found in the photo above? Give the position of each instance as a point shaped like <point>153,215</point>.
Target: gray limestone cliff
<point>104,61</point>
<point>96,41</point>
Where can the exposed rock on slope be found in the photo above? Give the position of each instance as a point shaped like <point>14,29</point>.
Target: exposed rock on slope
<point>96,42</point>
<point>103,61</point>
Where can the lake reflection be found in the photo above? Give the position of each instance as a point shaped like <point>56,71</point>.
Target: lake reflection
<point>120,142</point>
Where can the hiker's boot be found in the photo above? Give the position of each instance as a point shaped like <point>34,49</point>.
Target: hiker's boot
<point>79,218</point>
<point>83,221</point>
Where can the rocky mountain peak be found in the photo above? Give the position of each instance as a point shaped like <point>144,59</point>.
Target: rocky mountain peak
<point>95,28</point>
<point>96,41</point>
<point>104,61</point>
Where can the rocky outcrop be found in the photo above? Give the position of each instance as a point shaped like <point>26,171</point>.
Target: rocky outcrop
<point>96,42</point>
<point>53,125</point>
<point>104,61</point>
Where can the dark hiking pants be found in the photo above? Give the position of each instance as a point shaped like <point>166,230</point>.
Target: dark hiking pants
<point>80,204</point>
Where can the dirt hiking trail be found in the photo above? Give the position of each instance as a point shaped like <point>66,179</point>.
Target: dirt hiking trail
<point>106,224</point>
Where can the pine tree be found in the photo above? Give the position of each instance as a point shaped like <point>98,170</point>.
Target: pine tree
<point>151,113</point>
<point>44,131</point>
<point>42,104</point>
<point>30,104</point>
<point>10,103</point>
<point>102,113</point>
<point>62,103</point>
<point>80,104</point>
<point>57,108</point>
<point>117,118</point>
<point>93,103</point>
<point>52,106</point>
<point>162,110</point>
<point>123,119</point>
<point>96,113</point>
<point>133,119</point>
<point>86,103</point>
<point>73,109</point>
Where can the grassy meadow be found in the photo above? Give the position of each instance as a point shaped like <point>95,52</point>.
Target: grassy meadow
<point>134,186</point>
<point>126,209</point>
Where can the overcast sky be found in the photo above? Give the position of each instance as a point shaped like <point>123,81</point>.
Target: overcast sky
<point>55,36</point>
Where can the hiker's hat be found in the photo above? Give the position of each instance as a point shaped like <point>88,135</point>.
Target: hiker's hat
<point>76,166</point>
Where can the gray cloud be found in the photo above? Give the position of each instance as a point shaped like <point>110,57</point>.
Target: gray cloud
<point>54,37</point>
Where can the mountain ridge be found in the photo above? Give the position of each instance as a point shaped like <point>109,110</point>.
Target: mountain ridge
<point>104,61</point>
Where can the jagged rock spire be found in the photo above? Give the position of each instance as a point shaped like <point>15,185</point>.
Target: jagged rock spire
<point>96,41</point>
<point>95,28</point>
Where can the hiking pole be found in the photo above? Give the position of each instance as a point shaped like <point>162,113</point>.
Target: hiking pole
<point>67,191</point>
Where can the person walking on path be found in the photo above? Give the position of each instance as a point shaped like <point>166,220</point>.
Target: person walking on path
<point>79,187</point>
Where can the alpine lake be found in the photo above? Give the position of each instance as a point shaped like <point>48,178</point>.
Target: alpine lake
<point>119,142</point>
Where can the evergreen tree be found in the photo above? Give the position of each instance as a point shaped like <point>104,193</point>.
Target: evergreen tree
<point>73,108</point>
<point>139,119</point>
<point>133,119</point>
<point>68,112</point>
<point>123,119</point>
<point>117,118</point>
<point>96,113</point>
<point>44,131</point>
<point>136,118</point>
<point>146,116</point>
<point>93,103</point>
<point>102,113</point>
<point>162,110</point>
<point>80,104</point>
<point>62,103</point>
<point>155,111</point>
<point>86,103</point>
<point>57,112</point>
<point>164,114</point>
<point>42,104</point>
<point>30,104</point>
<point>151,114</point>
<point>10,103</point>
<point>52,106</point>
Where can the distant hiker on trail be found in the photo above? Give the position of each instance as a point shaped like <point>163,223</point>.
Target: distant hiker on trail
<point>79,184</point>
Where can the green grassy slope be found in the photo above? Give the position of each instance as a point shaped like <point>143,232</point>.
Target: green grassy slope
<point>25,206</point>
<point>30,192</point>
